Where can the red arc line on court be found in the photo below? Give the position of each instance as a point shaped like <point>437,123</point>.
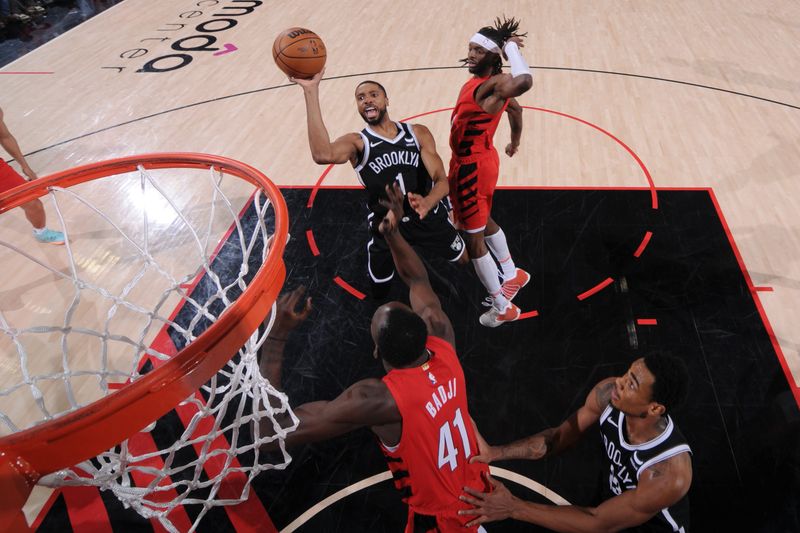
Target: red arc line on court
<point>647,321</point>
<point>643,245</point>
<point>349,288</point>
<point>597,288</point>
<point>651,185</point>
<point>312,243</point>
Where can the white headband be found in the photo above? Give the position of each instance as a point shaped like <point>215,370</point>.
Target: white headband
<point>482,40</point>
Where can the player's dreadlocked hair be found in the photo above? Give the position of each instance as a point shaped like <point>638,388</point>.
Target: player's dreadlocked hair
<point>501,32</point>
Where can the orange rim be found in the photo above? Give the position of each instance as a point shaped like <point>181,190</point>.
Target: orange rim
<point>88,431</point>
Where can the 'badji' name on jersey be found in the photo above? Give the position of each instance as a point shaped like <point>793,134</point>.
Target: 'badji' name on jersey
<point>398,157</point>
<point>440,397</point>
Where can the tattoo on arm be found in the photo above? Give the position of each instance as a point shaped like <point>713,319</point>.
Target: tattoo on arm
<point>603,394</point>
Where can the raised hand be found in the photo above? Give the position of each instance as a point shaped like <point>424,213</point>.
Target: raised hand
<point>514,39</point>
<point>419,203</point>
<point>394,205</point>
<point>311,82</point>
<point>287,314</point>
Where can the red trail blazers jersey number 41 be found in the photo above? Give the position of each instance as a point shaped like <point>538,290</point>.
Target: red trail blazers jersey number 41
<point>430,464</point>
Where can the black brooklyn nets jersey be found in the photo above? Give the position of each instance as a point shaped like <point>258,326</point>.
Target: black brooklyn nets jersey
<point>385,161</point>
<point>627,461</point>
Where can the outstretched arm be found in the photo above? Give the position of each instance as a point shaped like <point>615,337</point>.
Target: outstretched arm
<point>554,440</point>
<point>433,164</point>
<point>10,145</point>
<point>287,318</point>
<point>343,149</point>
<point>514,111</point>
<point>365,403</point>
<point>660,486</point>
<point>521,79</point>
<point>424,301</point>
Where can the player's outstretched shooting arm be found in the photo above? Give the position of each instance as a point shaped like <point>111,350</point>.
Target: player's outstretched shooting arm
<point>323,151</point>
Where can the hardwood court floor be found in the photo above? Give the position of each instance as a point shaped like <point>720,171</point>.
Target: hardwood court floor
<point>675,95</point>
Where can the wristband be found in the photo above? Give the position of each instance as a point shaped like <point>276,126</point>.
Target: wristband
<point>518,64</point>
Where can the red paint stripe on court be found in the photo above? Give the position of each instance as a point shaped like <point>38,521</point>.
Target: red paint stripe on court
<point>647,321</point>
<point>597,288</point>
<point>86,510</point>
<point>316,188</point>
<point>653,194</point>
<point>529,314</point>
<point>249,515</point>
<point>643,245</point>
<point>349,288</point>
<point>142,443</point>
<point>763,289</point>
<point>45,509</point>
<point>312,243</point>
<point>775,344</point>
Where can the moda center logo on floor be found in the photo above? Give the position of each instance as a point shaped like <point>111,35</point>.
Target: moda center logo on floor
<point>195,31</point>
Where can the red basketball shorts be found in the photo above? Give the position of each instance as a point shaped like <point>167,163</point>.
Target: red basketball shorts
<point>472,183</point>
<point>9,177</point>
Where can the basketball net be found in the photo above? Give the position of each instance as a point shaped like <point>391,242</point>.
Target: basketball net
<point>213,454</point>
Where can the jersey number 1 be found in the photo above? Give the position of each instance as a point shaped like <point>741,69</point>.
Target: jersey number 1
<point>399,179</point>
<point>447,451</point>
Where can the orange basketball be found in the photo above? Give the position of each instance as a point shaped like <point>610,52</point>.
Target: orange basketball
<point>299,52</point>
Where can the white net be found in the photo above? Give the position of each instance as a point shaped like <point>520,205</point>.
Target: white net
<point>149,263</point>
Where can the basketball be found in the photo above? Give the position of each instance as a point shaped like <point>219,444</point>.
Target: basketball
<point>299,53</point>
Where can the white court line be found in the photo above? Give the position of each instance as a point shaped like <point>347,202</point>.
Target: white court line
<point>383,476</point>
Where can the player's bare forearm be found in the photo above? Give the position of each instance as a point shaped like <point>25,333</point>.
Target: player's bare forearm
<point>440,189</point>
<point>408,264</point>
<point>318,138</point>
<point>271,362</point>
<point>9,144</point>
<point>533,447</point>
<point>514,112</point>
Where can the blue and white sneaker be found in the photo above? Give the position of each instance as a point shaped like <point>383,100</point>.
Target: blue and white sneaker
<point>49,236</point>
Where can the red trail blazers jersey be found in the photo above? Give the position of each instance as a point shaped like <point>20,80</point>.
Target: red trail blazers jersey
<point>430,464</point>
<point>472,128</point>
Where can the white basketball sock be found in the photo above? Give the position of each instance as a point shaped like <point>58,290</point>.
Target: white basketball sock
<point>487,273</point>
<point>499,246</point>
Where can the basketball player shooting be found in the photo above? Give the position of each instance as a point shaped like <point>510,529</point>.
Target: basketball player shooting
<point>475,165</point>
<point>383,153</point>
<point>419,409</point>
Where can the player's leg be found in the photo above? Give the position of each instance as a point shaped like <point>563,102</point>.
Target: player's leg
<point>513,278</point>
<point>34,210</point>
<point>471,188</point>
<point>380,267</point>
